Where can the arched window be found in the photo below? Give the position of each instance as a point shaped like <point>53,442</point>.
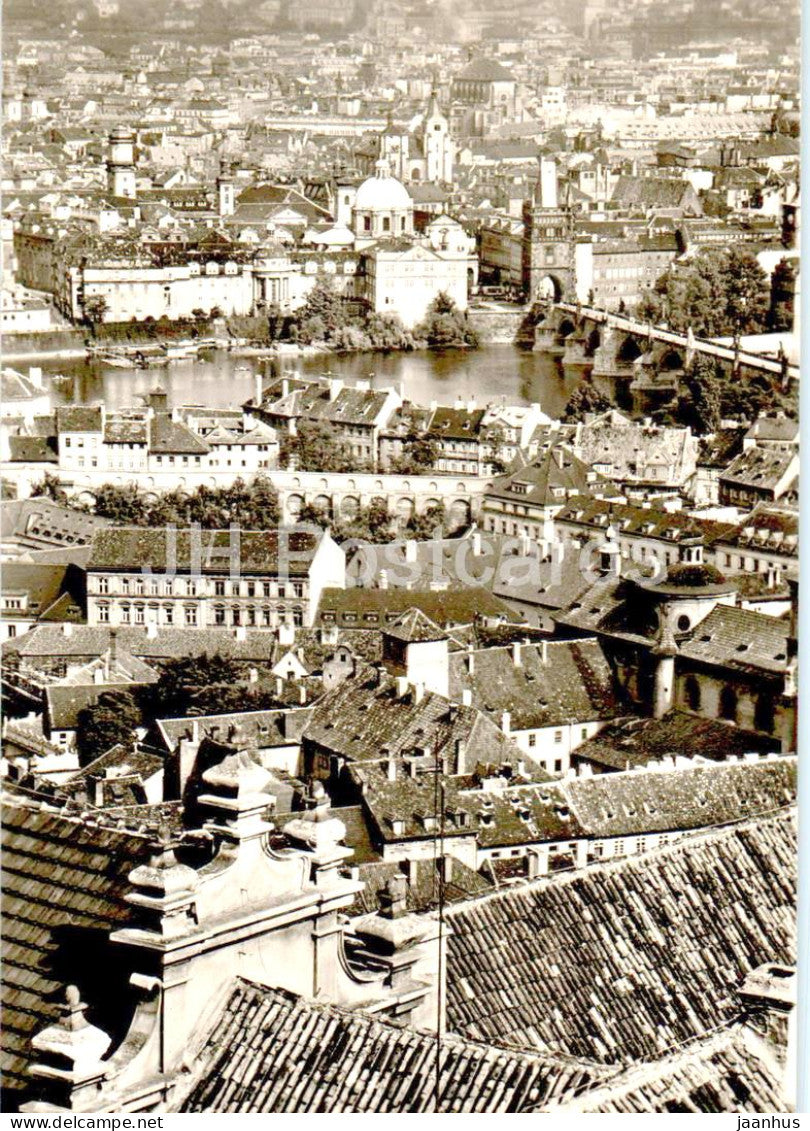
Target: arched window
<point>764,713</point>
<point>728,704</point>
<point>691,692</point>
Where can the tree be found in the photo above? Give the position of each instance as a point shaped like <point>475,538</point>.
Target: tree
<point>720,292</point>
<point>700,405</point>
<point>319,446</point>
<point>445,327</point>
<point>783,296</point>
<point>94,308</point>
<point>323,314</point>
<point>419,455</point>
<point>49,487</point>
<point>585,399</point>
<point>111,721</point>
<point>424,526</point>
<point>185,683</point>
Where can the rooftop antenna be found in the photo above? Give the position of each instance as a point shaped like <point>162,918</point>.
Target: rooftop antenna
<point>439,895</point>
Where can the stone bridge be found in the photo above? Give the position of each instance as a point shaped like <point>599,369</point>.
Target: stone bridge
<point>636,365</point>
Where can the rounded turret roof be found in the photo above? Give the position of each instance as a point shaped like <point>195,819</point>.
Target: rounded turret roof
<point>382,193</point>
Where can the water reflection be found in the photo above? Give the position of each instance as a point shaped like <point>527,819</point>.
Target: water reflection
<point>222,379</point>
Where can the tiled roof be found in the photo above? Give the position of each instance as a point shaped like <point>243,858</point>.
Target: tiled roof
<point>761,468</point>
<point>774,428</point>
<point>78,418</point>
<point>413,627</point>
<point>647,522</point>
<point>64,702</point>
<point>659,800</point>
<point>171,437</point>
<point>456,423</point>
<point>485,70</point>
<point>125,431</point>
<point>767,528</point>
<point>32,449</point>
<point>574,681</point>
<point>357,407</point>
<point>620,961</point>
<point>630,450</point>
<point>740,639</point>
<point>260,729</point>
<point>636,741</point>
<point>131,547</point>
<point>40,521</point>
<point>45,642</point>
<point>362,716</point>
<point>64,883</point>
<point>550,480</point>
<point>422,878</point>
<point>652,192</point>
<point>727,1071</point>
<point>44,583</point>
<point>447,608</point>
<point>271,1051</point>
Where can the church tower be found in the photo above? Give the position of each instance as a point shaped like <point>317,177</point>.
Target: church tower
<point>226,197</point>
<point>437,144</point>
<point>121,163</point>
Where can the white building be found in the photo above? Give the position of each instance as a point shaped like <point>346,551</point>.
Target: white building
<point>210,579</point>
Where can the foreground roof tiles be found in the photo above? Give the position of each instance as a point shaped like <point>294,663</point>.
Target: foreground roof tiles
<point>271,1051</point>
<point>64,884</point>
<point>619,962</point>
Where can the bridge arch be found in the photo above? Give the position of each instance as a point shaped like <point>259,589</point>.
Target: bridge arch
<point>670,360</point>
<point>594,341</point>
<point>566,328</point>
<point>630,349</point>
<point>550,288</point>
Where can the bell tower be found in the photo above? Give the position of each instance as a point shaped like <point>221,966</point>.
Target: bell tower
<point>436,143</point>
<point>226,197</point>
<point>121,163</point>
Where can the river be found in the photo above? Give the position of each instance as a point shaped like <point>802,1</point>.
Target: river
<point>224,379</point>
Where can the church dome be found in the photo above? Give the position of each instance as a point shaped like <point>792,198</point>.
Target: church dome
<point>382,193</point>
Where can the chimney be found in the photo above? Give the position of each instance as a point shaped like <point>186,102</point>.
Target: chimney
<point>99,675</point>
<point>475,539</point>
<point>543,652</point>
<point>410,550</point>
<point>506,721</point>
<point>466,697</point>
<point>516,657</point>
<point>471,661</point>
<point>402,686</point>
<point>257,396</point>
<point>391,768</point>
<point>382,580</point>
<point>67,629</point>
<point>114,645</point>
<point>335,386</point>
<point>285,387</point>
<point>302,694</point>
<point>418,692</point>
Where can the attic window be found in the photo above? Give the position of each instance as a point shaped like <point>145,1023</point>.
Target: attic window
<point>743,647</point>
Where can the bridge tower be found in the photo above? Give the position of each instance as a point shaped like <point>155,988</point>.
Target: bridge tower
<point>549,242</point>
